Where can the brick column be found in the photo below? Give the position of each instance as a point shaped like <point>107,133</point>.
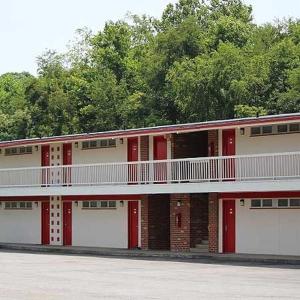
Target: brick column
<point>144,147</point>
<point>213,221</point>
<point>144,223</point>
<point>213,140</point>
<point>180,236</point>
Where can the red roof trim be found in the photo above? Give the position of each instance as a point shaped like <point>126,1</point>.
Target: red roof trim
<point>155,130</point>
<point>287,194</point>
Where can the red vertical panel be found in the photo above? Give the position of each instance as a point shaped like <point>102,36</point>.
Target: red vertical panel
<point>45,162</point>
<point>67,223</point>
<point>67,160</point>
<point>45,156</point>
<point>45,223</point>
<point>228,226</point>
<point>67,154</point>
<point>228,149</point>
<point>160,153</point>
<point>159,147</point>
<point>133,224</point>
<point>228,142</point>
<point>132,149</point>
<point>132,155</point>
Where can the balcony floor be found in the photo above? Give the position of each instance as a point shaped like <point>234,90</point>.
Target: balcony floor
<point>139,189</point>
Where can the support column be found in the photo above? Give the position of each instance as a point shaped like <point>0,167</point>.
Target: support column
<point>144,147</point>
<point>213,143</point>
<point>144,223</point>
<point>213,221</point>
<point>56,201</point>
<point>180,222</point>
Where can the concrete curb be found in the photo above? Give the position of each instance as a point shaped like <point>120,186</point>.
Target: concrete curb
<point>188,256</point>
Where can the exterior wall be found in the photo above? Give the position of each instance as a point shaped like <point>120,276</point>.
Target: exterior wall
<point>102,155</point>
<point>187,145</point>
<point>20,226</point>
<point>199,219</point>
<point>213,138</point>
<point>267,231</point>
<point>159,222</point>
<point>19,161</point>
<point>144,223</point>
<point>180,235</point>
<point>169,147</point>
<point>245,144</point>
<point>213,222</point>
<point>100,227</point>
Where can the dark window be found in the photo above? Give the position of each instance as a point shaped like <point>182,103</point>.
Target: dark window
<point>112,143</point>
<point>85,204</point>
<point>103,143</point>
<point>256,203</point>
<point>93,204</point>
<point>267,129</point>
<point>283,203</point>
<point>14,205</point>
<point>93,144</point>
<point>112,204</point>
<point>7,205</point>
<point>294,127</point>
<point>267,203</point>
<point>104,204</point>
<point>255,131</point>
<point>85,145</point>
<point>28,204</point>
<point>22,205</point>
<point>282,128</point>
<point>294,202</point>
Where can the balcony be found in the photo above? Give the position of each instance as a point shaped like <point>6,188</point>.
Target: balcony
<point>261,172</point>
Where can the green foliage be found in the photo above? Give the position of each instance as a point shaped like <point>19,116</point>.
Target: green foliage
<point>202,60</point>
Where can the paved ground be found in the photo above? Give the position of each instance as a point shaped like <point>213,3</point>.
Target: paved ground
<point>49,276</point>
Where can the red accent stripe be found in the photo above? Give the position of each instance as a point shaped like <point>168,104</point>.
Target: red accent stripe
<point>282,194</point>
<point>158,130</point>
<point>100,197</point>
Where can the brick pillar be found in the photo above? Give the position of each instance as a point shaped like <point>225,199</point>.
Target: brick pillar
<point>144,223</point>
<point>180,236</point>
<point>213,141</point>
<point>213,221</point>
<point>144,147</point>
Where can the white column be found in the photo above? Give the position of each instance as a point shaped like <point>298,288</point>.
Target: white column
<point>55,201</point>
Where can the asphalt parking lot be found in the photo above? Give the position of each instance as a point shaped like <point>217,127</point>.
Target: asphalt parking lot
<point>49,276</point>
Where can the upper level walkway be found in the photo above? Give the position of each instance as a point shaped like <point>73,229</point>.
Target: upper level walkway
<point>261,172</point>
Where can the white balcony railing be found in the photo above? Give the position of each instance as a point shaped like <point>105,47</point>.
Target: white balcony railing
<point>223,168</point>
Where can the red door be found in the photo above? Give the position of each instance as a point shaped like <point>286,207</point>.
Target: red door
<point>133,221</point>
<point>67,223</point>
<point>228,226</point>
<point>45,223</point>
<point>45,162</point>
<point>67,160</point>
<point>228,149</point>
<point>132,155</point>
<point>160,153</point>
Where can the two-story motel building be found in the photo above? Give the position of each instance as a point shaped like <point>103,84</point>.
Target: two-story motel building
<point>222,186</point>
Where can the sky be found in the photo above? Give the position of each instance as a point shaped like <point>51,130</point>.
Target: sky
<point>28,28</point>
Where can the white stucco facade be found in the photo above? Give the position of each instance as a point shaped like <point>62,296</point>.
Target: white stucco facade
<point>276,143</point>
<point>101,227</point>
<point>21,161</point>
<point>20,226</point>
<point>264,231</point>
<point>100,155</point>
